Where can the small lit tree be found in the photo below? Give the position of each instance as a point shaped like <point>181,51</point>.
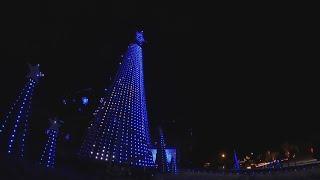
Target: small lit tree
<point>161,157</point>
<point>48,157</point>
<point>236,161</point>
<point>14,126</point>
<point>173,166</point>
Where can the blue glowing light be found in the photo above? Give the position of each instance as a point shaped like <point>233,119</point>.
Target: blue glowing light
<point>173,165</point>
<point>14,125</point>
<point>119,132</point>
<point>236,161</point>
<point>49,153</point>
<point>85,101</point>
<point>161,156</point>
<point>171,154</point>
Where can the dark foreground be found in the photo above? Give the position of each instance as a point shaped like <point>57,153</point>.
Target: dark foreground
<point>310,174</point>
<point>24,170</point>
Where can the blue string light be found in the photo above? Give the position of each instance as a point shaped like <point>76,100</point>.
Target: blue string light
<point>173,165</point>
<point>236,161</point>
<point>119,132</point>
<point>161,157</point>
<point>15,124</point>
<point>48,157</point>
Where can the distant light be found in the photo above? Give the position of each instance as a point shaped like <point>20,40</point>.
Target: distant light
<point>67,137</point>
<point>85,101</point>
<point>223,155</point>
<point>64,102</point>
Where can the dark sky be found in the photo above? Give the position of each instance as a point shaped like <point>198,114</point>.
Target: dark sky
<point>232,76</point>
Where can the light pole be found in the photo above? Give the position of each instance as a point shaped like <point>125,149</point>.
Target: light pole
<point>223,157</point>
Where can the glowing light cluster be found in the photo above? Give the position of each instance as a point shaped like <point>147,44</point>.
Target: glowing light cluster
<point>171,154</point>
<point>49,154</point>
<point>161,158</point>
<point>14,126</point>
<point>173,165</point>
<point>119,132</point>
<point>236,161</point>
<point>48,157</point>
<point>85,100</point>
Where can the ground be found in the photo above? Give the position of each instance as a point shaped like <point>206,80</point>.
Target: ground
<point>302,174</point>
<point>26,170</point>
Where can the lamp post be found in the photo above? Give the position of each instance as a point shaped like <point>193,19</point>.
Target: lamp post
<point>223,157</point>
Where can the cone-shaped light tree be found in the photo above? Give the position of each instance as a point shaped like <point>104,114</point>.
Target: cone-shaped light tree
<point>14,125</point>
<point>173,166</point>
<point>48,157</point>
<point>161,157</point>
<point>119,132</point>
<point>236,161</point>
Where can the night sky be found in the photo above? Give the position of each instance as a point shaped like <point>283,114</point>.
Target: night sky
<point>239,80</point>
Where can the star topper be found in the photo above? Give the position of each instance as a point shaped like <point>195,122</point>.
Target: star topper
<point>35,73</point>
<point>55,123</point>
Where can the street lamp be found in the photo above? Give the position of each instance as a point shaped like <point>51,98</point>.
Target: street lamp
<point>223,157</point>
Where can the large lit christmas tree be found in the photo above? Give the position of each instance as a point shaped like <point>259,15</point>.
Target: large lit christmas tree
<point>14,125</point>
<point>119,132</point>
<point>48,157</point>
<point>161,158</point>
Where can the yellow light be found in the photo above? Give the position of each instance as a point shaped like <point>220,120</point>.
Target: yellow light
<point>223,155</point>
